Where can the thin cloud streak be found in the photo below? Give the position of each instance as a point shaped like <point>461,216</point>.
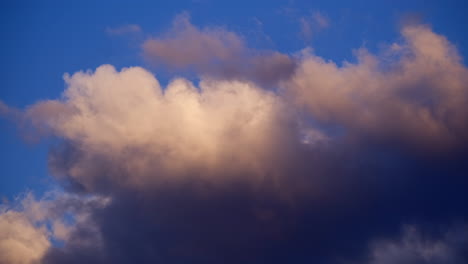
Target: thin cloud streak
<point>123,30</point>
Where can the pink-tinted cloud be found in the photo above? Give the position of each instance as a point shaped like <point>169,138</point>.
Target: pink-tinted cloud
<point>309,25</point>
<point>226,171</point>
<point>416,91</point>
<point>126,116</point>
<point>22,239</point>
<point>217,52</point>
<point>28,225</point>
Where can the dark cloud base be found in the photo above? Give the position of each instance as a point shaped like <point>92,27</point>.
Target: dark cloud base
<point>369,196</point>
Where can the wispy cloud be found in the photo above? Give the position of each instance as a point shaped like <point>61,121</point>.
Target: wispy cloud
<point>416,247</point>
<point>123,30</point>
<point>310,25</point>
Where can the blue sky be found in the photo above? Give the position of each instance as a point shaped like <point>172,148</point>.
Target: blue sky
<point>43,40</point>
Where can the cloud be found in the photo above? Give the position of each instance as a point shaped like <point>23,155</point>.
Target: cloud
<point>123,30</point>
<point>22,241</point>
<point>185,44</point>
<point>126,116</point>
<point>414,91</point>
<point>222,171</point>
<point>320,19</point>
<point>29,227</point>
<point>9,112</point>
<point>217,52</point>
<point>312,24</point>
<point>3,108</point>
<point>417,248</point>
<point>226,171</point>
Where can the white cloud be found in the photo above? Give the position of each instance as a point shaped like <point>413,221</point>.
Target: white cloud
<point>126,119</point>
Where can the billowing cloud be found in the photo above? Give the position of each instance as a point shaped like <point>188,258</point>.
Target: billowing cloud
<point>415,91</point>
<point>226,171</point>
<point>126,118</point>
<point>217,52</point>
<point>221,171</point>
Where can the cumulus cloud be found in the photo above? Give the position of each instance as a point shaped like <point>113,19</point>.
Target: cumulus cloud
<point>217,52</point>
<point>415,91</point>
<point>225,161</point>
<point>225,154</point>
<point>125,116</point>
<point>225,171</point>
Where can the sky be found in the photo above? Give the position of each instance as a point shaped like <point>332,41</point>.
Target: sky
<point>233,132</point>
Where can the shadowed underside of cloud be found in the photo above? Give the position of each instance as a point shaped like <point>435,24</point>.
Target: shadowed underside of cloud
<point>229,172</point>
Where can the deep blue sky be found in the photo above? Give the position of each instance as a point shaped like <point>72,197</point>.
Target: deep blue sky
<point>41,40</point>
